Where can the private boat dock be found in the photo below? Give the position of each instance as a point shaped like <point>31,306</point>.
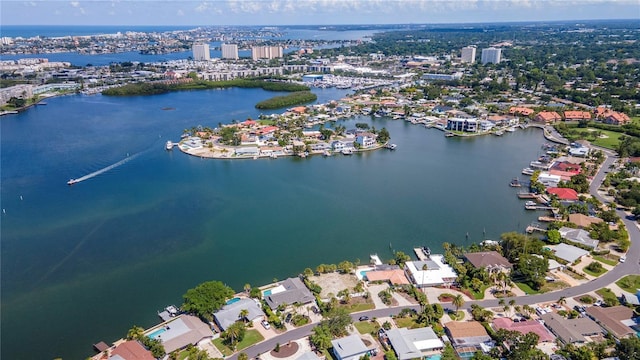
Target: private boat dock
<point>422,253</point>
<point>533,227</point>
<point>374,259</point>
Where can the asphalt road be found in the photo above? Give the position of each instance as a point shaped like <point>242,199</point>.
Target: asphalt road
<point>630,266</point>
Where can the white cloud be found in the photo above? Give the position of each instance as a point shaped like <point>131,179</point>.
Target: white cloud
<point>75,3</point>
<point>202,7</point>
<point>180,12</point>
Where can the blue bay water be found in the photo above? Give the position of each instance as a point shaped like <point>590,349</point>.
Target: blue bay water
<point>84,263</point>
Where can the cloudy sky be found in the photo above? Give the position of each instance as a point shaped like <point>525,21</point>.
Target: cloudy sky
<point>301,12</point>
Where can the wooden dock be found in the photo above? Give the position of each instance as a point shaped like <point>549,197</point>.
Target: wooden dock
<point>546,219</point>
<point>527,195</point>
<point>420,254</point>
<point>533,228</point>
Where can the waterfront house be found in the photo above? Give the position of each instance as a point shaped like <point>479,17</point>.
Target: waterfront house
<point>182,331</point>
<point>288,292</point>
<point>572,331</point>
<point>414,343</point>
<point>549,180</point>
<point>547,117</point>
<point>247,151</point>
<point>349,348</point>
<point>578,236</point>
<point>615,319</point>
<point>565,194</point>
<point>366,140</point>
<point>430,272</point>
<point>230,313</point>
<point>459,124</point>
<point>568,253</point>
<point>491,260</point>
<point>583,221</point>
<point>392,276</point>
<point>524,327</point>
<point>130,350</point>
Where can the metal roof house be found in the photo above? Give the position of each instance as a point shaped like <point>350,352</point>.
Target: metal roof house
<point>184,330</point>
<point>349,348</point>
<point>413,343</point>
<point>571,331</point>
<point>578,236</point>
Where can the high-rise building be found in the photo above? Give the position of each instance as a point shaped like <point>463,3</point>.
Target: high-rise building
<point>229,51</point>
<point>468,54</point>
<point>201,52</point>
<point>491,55</point>
<point>266,52</point>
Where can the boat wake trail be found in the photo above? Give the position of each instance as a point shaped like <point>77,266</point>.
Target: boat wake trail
<point>103,170</point>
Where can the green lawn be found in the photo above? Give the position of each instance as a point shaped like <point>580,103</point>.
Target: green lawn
<point>359,307</point>
<point>251,337</point>
<point>606,261</point>
<point>629,283</point>
<point>526,288</point>
<point>366,327</point>
<point>610,142</point>
<point>405,322</point>
<point>608,296</point>
<point>459,315</point>
<point>183,355</point>
<point>593,273</point>
<point>480,294</point>
<point>553,286</point>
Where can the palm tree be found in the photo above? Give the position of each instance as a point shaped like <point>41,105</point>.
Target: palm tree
<point>247,288</point>
<point>458,301</point>
<point>562,300</point>
<point>243,315</point>
<point>512,303</point>
<point>136,332</point>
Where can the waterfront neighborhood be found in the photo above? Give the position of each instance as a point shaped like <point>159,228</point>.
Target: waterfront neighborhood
<point>565,287</point>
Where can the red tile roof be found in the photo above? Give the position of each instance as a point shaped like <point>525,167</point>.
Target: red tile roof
<point>577,115</point>
<point>524,327</point>
<point>548,116</point>
<point>563,193</point>
<point>520,110</point>
<point>132,350</point>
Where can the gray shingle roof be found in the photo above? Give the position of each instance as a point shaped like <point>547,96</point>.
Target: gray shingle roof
<point>231,313</point>
<point>349,346</point>
<point>571,330</point>
<point>295,292</point>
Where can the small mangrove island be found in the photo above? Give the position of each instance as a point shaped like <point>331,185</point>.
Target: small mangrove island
<point>295,98</point>
<point>163,87</point>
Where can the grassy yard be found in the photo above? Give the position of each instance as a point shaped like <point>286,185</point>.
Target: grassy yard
<point>480,294</point>
<point>608,296</point>
<point>593,273</point>
<point>366,327</point>
<point>459,315</point>
<point>359,307</point>
<point>183,355</point>
<point>407,322</point>
<point>526,288</point>
<point>604,260</point>
<point>553,286</point>
<point>251,337</point>
<point>610,142</point>
<point>629,283</point>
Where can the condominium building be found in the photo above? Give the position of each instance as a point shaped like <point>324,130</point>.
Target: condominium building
<point>491,55</point>
<point>229,51</point>
<point>468,54</point>
<point>201,52</point>
<point>266,52</point>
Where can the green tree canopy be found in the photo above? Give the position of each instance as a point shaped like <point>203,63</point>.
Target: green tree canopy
<point>206,298</point>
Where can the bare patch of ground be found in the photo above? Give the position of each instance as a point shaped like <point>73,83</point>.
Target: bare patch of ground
<point>333,283</point>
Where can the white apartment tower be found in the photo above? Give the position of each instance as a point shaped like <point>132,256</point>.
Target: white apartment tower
<point>201,52</point>
<point>491,55</point>
<point>229,51</point>
<point>266,52</point>
<point>468,54</point>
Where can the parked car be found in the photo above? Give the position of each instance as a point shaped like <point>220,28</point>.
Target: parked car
<point>265,324</point>
<point>287,318</point>
<point>363,318</point>
<point>315,310</point>
<point>623,259</point>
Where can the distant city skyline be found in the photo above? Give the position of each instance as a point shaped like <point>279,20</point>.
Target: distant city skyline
<point>308,12</point>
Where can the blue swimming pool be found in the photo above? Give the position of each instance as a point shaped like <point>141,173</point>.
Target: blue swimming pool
<point>363,274</point>
<point>234,300</point>
<point>434,357</point>
<point>267,292</point>
<point>156,334</point>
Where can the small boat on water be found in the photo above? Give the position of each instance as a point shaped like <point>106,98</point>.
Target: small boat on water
<point>169,145</point>
<point>347,152</point>
<point>510,129</point>
<point>72,181</point>
<point>449,134</point>
<point>527,171</point>
<point>498,133</point>
<point>391,146</point>
<point>273,156</point>
<point>515,182</point>
<point>326,153</point>
<point>530,205</point>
